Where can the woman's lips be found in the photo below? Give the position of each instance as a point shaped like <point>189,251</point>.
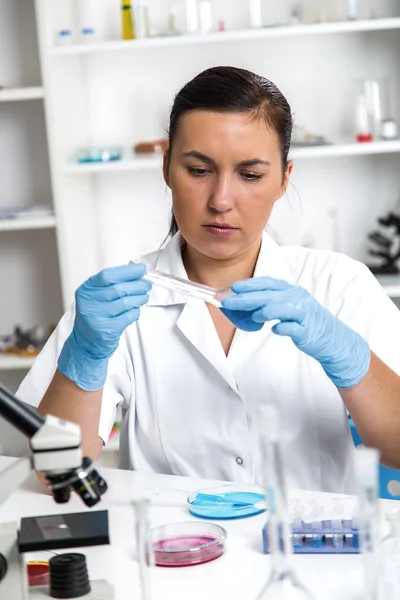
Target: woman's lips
<point>221,231</point>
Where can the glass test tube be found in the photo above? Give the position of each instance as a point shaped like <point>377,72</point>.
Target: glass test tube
<point>145,550</point>
<point>337,508</point>
<point>297,511</point>
<point>283,583</point>
<point>208,294</point>
<point>316,541</point>
<point>366,465</point>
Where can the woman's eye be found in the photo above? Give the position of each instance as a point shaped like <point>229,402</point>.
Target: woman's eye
<point>198,171</point>
<point>252,176</point>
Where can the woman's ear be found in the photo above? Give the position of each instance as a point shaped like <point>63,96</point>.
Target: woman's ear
<point>166,163</point>
<point>286,177</point>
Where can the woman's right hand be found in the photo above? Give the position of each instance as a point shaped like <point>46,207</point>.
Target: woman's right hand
<point>106,304</point>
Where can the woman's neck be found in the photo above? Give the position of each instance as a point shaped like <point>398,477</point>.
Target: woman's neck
<point>220,273</point>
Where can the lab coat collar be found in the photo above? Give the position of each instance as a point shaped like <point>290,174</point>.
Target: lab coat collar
<point>271,262</point>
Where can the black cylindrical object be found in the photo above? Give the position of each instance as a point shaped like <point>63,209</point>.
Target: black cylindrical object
<point>69,576</point>
<point>3,567</point>
<point>19,416</point>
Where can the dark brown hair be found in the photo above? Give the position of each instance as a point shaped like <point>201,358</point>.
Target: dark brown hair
<point>228,89</point>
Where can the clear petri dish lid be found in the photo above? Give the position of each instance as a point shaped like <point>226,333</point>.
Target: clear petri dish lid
<point>230,501</point>
<point>187,544</point>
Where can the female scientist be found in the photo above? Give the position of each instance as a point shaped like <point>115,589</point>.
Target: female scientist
<point>311,331</point>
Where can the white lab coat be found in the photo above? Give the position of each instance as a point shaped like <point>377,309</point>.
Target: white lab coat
<point>190,410</point>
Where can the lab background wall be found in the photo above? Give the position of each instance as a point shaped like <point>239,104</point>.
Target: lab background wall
<point>110,217</point>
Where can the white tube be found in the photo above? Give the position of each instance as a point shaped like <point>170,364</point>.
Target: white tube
<point>255,13</point>
<point>192,17</point>
<point>141,20</point>
<point>144,546</point>
<point>366,466</point>
<point>362,116</point>
<point>205,13</point>
<point>351,10</point>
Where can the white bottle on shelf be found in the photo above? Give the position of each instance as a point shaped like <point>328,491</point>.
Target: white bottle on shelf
<point>205,14</point>
<point>88,20</point>
<point>256,20</point>
<point>141,20</point>
<point>192,16</point>
<point>352,10</point>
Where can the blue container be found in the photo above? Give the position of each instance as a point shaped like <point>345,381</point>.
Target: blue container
<point>386,476</point>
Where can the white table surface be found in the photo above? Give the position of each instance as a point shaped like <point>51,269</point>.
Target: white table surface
<point>239,574</point>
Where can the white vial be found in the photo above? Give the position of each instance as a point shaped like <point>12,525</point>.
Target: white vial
<point>352,10</point>
<point>389,129</point>
<point>64,37</point>
<point>255,13</point>
<point>88,35</point>
<point>141,21</point>
<point>192,17</point>
<point>205,14</point>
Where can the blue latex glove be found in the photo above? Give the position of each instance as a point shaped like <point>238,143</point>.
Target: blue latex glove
<point>106,304</point>
<point>343,353</point>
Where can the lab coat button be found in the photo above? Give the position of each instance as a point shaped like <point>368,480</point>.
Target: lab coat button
<point>239,460</point>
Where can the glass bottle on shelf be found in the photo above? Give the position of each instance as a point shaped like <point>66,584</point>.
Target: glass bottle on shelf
<point>128,32</point>
<point>283,583</point>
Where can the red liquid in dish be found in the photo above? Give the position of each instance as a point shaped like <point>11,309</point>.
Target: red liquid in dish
<point>186,550</point>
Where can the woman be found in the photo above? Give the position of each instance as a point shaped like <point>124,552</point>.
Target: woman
<point>309,330</point>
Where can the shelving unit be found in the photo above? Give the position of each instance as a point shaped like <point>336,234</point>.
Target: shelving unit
<point>24,93</point>
<point>14,363</point>
<point>391,284</point>
<point>231,36</point>
<point>28,244</point>
<point>48,222</point>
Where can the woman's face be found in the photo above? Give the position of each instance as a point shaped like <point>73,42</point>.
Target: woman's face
<point>225,174</point>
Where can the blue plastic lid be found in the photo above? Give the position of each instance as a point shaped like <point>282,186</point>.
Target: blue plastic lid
<point>88,30</point>
<point>65,32</point>
<point>200,506</point>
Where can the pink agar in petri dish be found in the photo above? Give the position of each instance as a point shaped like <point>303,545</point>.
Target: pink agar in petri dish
<point>187,544</point>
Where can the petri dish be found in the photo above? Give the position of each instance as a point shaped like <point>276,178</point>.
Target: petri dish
<point>187,544</point>
<point>254,495</point>
<point>37,565</point>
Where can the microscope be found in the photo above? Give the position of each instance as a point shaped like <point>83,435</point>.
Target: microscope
<point>55,450</point>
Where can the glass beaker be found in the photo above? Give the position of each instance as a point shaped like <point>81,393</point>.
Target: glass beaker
<point>372,107</point>
<point>283,583</point>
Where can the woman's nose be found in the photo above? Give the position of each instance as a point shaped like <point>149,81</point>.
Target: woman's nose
<point>221,197</point>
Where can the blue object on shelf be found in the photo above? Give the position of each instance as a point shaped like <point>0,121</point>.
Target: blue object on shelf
<point>302,539</point>
<point>387,477</point>
<point>99,155</point>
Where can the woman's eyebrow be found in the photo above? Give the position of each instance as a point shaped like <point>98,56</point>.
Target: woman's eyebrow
<point>200,156</point>
<point>252,162</point>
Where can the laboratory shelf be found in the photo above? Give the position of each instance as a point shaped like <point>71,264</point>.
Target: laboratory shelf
<point>352,149</point>
<point>13,363</point>
<point>24,93</point>
<point>231,36</point>
<point>136,163</point>
<point>391,284</point>
<point>20,224</point>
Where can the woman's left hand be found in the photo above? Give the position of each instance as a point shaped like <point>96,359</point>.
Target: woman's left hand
<point>342,352</point>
